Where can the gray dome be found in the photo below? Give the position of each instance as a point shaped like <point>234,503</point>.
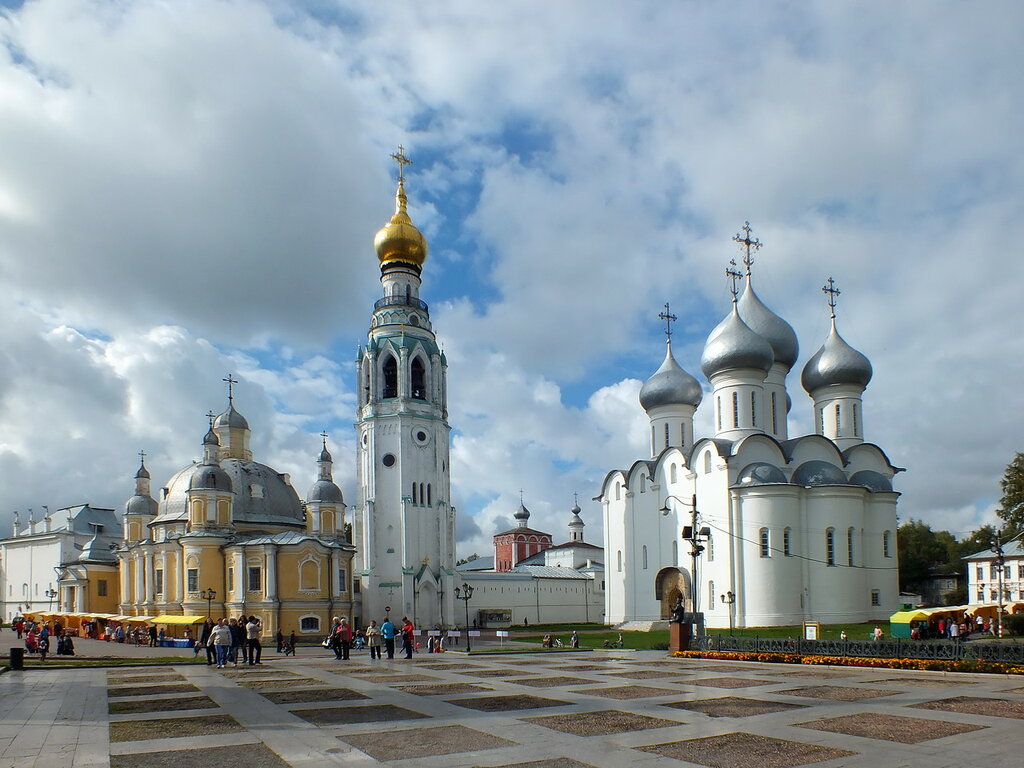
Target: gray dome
<point>209,477</point>
<point>760,473</point>
<point>325,491</point>
<point>522,514</point>
<point>210,438</point>
<point>776,331</point>
<point>262,495</point>
<point>835,363</point>
<point>734,345</point>
<point>873,481</point>
<point>231,419</point>
<point>96,551</point>
<point>142,473</point>
<point>818,472</point>
<point>670,385</point>
<point>140,505</point>
<point>325,455</point>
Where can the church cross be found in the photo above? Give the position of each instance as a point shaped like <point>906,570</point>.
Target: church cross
<point>142,456</point>
<point>733,275</point>
<point>400,158</point>
<point>324,436</point>
<point>576,496</point>
<point>230,381</point>
<point>669,318</point>
<point>830,290</point>
<point>211,416</point>
<point>749,246</point>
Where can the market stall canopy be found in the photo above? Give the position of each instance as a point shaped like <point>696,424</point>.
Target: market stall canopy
<point>171,619</point>
<point>905,617</point>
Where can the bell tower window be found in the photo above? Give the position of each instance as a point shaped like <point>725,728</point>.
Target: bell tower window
<point>390,377</point>
<point>419,379</point>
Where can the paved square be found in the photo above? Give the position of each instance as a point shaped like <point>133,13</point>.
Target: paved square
<point>733,706</point>
<point>906,730</point>
<point>633,708</point>
<point>746,750</point>
<point>600,723</point>
<point>444,740</point>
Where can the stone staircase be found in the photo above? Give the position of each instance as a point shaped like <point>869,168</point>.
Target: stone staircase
<point>641,626</point>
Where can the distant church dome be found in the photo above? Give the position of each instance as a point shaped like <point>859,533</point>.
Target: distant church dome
<point>816,472</point>
<point>325,491</point>
<point>209,477</point>
<point>772,328</point>
<point>670,385</point>
<point>231,419</point>
<point>522,515</point>
<point>140,505</point>
<point>835,363</point>
<point>732,344</point>
<point>399,240</point>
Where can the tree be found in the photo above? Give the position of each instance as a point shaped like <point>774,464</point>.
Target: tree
<point>1012,503</point>
<point>920,550</point>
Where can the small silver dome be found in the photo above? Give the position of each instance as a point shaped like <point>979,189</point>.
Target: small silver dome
<point>818,472</point>
<point>209,477</point>
<point>734,345</point>
<point>143,473</point>
<point>325,491</point>
<point>760,473</point>
<point>776,331</point>
<point>670,385</point>
<point>325,455</point>
<point>872,480</point>
<point>522,514</point>
<point>211,438</point>
<point>140,505</point>
<point>835,363</point>
<point>231,419</point>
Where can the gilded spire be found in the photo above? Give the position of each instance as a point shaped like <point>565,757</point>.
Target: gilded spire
<point>399,241</point>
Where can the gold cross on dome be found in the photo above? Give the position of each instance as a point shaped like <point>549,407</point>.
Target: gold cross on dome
<point>669,318</point>
<point>733,275</point>
<point>830,290</point>
<point>749,246</point>
<point>400,158</point>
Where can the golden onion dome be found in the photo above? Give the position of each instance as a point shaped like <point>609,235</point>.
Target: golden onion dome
<point>399,240</point>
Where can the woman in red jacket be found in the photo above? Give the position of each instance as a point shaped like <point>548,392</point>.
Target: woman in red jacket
<point>343,637</point>
<point>408,637</point>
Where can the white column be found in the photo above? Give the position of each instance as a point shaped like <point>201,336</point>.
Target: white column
<point>137,595</point>
<point>240,575</point>
<point>271,573</point>
<point>150,586</point>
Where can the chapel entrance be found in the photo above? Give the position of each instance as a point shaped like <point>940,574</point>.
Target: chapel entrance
<point>669,585</point>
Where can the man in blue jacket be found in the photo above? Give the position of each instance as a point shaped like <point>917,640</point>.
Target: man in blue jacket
<point>388,632</point>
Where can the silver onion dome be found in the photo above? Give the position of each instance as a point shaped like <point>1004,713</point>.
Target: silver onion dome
<point>734,345</point>
<point>817,472</point>
<point>835,363</point>
<point>209,477</point>
<point>143,473</point>
<point>767,324</point>
<point>670,385</point>
<point>231,419</point>
<point>522,514</point>
<point>325,455</point>
<point>325,491</point>
<point>141,505</point>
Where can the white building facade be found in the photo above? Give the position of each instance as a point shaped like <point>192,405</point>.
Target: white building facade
<point>403,522</point>
<point>34,557</point>
<point>983,579</point>
<point>791,529</point>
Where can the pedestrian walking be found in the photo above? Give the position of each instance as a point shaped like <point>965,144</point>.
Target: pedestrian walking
<point>220,638</point>
<point>408,636</point>
<point>387,634</point>
<point>373,639</point>
<point>575,641</point>
<point>344,638</point>
<point>280,641</point>
<point>237,640</point>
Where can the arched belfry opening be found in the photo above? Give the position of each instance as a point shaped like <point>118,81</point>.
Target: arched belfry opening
<point>418,379</point>
<point>669,585</point>
<point>390,371</point>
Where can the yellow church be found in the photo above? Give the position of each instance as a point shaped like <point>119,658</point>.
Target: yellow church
<point>229,536</point>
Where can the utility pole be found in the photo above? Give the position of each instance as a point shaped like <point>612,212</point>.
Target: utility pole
<point>997,549</point>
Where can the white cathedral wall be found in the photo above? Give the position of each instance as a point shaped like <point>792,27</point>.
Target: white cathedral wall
<point>546,600</point>
<point>837,593</point>
<point>31,561</point>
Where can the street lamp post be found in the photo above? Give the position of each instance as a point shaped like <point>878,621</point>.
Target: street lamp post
<point>51,593</point>
<point>464,595</point>
<point>209,595</point>
<point>696,536</point>
<point>997,548</point>
<point>728,599</point>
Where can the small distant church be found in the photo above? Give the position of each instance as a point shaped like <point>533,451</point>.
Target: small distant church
<point>784,529</point>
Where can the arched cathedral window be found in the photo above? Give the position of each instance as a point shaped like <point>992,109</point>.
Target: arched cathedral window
<point>856,430</point>
<point>775,414</point>
<point>839,427</point>
<point>830,546</point>
<point>390,377</point>
<point>849,546</point>
<point>735,409</point>
<point>419,379</point>
<point>753,409</point>
<point>643,554</point>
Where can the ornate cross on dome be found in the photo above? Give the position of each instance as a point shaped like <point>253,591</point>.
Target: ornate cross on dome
<point>211,416</point>
<point>749,246</point>
<point>142,456</point>
<point>576,496</point>
<point>231,381</point>
<point>324,435</point>
<point>830,290</point>
<point>669,318</point>
<point>400,158</point>
<point>733,275</point>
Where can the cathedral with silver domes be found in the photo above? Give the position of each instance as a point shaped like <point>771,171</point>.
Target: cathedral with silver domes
<point>750,526</point>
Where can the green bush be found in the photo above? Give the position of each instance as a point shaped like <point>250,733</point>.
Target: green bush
<point>1014,624</point>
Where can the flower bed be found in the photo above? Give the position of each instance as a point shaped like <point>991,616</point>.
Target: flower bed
<point>931,665</point>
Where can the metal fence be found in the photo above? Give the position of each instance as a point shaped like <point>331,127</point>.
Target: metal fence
<point>948,650</point>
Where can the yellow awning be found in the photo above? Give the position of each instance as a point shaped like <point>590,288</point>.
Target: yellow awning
<point>905,617</point>
<point>983,608</point>
<point>170,619</point>
<point>139,619</point>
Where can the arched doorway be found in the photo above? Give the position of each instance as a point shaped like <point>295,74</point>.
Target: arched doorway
<point>669,585</point>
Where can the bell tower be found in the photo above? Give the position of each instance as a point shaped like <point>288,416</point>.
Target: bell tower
<point>403,523</point>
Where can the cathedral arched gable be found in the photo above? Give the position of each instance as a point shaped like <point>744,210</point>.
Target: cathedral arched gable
<point>813,448</point>
<point>608,486</point>
<point>641,469</point>
<point>663,463</point>
<point>757,448</point>
<point>869,456</point>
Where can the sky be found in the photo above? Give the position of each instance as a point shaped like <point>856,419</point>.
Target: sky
<point>190,189</point>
